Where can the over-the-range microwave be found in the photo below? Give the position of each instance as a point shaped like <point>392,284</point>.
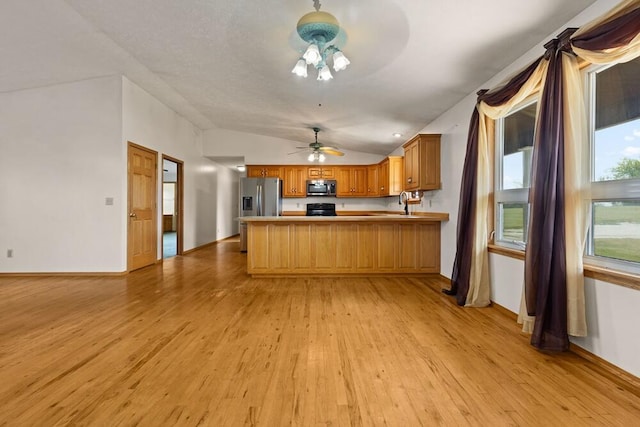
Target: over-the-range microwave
<point>321,187</point>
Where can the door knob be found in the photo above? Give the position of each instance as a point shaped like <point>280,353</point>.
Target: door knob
<point>132,215</point>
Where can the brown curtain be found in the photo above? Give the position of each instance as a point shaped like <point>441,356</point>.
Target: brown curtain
<point>545,257</point>
<point>467,218</point>
<point>545,264</point>
<point>466,212</point>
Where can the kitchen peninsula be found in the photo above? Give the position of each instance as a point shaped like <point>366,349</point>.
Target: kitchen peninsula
<point>344,245</point>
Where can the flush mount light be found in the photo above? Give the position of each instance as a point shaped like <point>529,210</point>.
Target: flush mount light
<point>319,29</point>
<point>397,135</point>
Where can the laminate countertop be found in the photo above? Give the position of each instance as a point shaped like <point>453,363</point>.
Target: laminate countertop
<point>423,217</point>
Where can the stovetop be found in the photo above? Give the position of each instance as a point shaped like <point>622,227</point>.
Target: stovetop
<point>321,209</point>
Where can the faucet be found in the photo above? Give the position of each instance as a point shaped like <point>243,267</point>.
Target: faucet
<point>406,201</point>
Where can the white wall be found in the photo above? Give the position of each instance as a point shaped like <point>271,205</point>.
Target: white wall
<point>60,158</point>
<point>612,310</point>
<point>210,189</point>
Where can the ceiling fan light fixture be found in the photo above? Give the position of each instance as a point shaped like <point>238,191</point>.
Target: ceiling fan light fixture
<point>300,69</point>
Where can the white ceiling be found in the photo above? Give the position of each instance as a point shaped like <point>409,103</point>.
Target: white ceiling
<point>227,63</point>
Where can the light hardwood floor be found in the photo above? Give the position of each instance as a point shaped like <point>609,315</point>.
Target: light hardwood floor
<point>195,341</point>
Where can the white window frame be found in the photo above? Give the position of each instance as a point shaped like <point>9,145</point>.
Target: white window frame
<point>515,195</point>
<point>604,191</point>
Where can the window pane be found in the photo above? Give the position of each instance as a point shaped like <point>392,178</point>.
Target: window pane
<point>617,135</point>
<point>518,147</point>
<point>513,220</point>
<point>616,230</point>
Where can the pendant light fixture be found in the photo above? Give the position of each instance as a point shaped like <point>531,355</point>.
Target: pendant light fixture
<point>319,29</point>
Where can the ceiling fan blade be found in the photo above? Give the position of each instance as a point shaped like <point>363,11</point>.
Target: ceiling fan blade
<point>299,151</point>
<point>332,151</point>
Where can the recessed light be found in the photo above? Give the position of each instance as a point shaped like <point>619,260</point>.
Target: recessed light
<point>397,135</point>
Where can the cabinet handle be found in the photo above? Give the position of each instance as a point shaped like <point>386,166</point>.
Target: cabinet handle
<point>409,180</point>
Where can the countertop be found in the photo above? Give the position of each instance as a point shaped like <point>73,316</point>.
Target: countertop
<point>423,217</point>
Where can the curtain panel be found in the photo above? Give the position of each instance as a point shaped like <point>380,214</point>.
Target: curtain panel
<point>554,277</point>
<point>470,281</point>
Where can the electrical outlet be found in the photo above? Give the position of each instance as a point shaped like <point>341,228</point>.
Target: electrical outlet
<point>9,253</point>
<point>343,205</point>
<point>429,202</point>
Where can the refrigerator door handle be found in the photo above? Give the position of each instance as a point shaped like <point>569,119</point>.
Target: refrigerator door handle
<point>259,201</point>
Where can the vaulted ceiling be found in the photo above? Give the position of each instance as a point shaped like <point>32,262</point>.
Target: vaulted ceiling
<point>227,63</point>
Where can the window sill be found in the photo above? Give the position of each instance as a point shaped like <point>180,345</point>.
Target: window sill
<point>508,252</point>
<point>599,273</point>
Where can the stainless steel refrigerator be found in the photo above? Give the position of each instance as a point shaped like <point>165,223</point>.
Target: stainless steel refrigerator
<point>258,197</point>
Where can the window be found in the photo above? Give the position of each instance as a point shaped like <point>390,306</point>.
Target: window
<point>614,100</point>
<point>514,149</point>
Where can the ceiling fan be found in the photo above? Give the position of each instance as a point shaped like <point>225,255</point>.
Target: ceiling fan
<point>318,150</point>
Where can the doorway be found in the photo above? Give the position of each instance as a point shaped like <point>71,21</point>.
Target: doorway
<point>172,207</point>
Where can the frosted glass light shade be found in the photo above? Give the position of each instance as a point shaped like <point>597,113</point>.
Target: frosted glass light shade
<point>312,55</point>
<point>300,69</point>
<point>325,73</point>
<point>340,61</point>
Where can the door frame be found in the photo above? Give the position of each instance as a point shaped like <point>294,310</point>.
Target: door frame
<point>156,222</point>
<point>179,203</point>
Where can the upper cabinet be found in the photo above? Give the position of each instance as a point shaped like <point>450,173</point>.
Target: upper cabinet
<point>266,171</point>
<point>422,163</point>
<point>352,181</point>
<point>373,181</point>
<point>294,181</point>
<point>390,172</point>
<point>321,172</point>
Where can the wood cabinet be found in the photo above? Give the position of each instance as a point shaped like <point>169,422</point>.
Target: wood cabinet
<point>343,247</point>
<point>352,181</point>
<point>422,163</point>
<point>321,173</point>
<point>264,171</point>
<point>373,181</point>
<point>390,173</point>
<point>294,181</point>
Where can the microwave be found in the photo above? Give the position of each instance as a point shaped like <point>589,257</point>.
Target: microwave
<point>321,187</point>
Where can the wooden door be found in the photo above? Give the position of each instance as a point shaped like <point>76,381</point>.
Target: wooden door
<point>142,195</point>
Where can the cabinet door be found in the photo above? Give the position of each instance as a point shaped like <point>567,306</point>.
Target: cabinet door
<point>411,166</point>
<point>343,181</point>
<point>383,177</point>
<point>294,181</point>
<point>273,171</point>
<point>395,181</point>
<point>373,185</point>
<point>321,173</point>
<point>255,171</point>
<point>359,181</point>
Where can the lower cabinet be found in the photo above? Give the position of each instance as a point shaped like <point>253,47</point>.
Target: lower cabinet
<point>343,248</point>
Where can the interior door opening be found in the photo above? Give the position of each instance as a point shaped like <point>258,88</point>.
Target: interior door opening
<point>171,207</point>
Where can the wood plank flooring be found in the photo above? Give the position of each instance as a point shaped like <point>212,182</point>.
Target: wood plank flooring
<point>195,341</point>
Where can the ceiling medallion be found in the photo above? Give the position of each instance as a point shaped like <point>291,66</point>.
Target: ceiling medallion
<point>319,29</point>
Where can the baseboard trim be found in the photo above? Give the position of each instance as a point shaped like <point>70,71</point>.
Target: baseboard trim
<point>206,245</point>
<point>67,274</point>
<point>609,370</point>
